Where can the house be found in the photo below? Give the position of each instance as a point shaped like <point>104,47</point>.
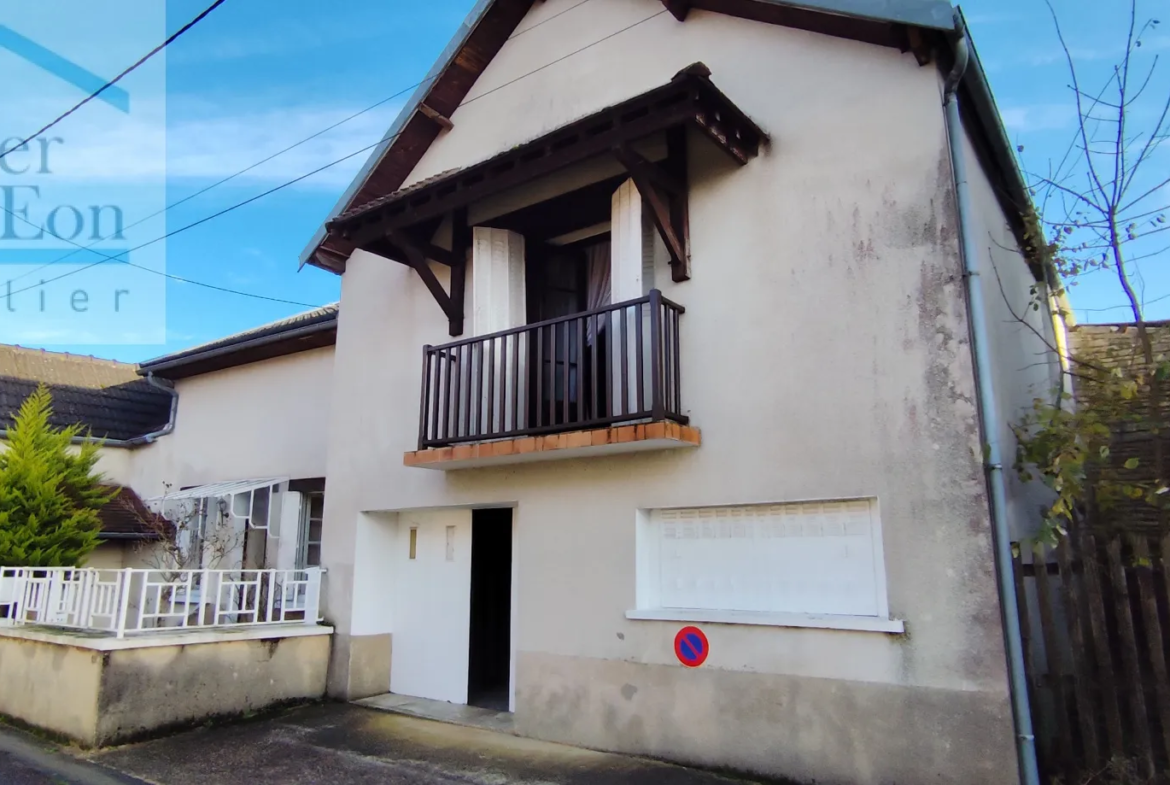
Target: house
<point>251,430</point>
<point>692,314</point>
<point>238,423</point>
<point>111,402</point>
<point>226,441</point>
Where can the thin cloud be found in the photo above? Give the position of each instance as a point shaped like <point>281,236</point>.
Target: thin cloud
<point>212,148</point>
<point>1038,117</point>
<point>210,144</point>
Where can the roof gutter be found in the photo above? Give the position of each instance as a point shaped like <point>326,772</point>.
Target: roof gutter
<point>137,441</point>
<point>978,88</point>
<point>989,417</point>
<point>166,364</point>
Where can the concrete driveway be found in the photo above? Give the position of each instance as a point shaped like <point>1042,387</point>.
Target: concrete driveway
<point>350,745</point>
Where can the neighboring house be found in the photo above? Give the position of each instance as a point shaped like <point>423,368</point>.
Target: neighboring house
<point>249,444</point>
<point>131,533</point>
<point>234,458</point>
<point>111,402</point>
<point>712,255</point>
<point>227,439</point>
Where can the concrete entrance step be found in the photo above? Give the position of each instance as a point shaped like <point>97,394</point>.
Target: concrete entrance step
<point>454,713</point>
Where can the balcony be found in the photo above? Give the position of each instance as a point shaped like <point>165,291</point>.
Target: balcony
<point>596,382</point>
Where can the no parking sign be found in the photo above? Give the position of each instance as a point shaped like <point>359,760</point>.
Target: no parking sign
<point>691,647</point>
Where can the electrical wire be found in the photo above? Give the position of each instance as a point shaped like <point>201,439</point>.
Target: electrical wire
<point>116,79</point>
<point>384,140</point>
<point>180,279</point>
<point>281,152</point>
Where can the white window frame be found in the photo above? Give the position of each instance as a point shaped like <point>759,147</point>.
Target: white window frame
<point>649,608</point>
<point>303,541</point>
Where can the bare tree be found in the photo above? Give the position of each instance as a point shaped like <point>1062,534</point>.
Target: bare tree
<point>190,534</point>
<point>1102,196</point>
<point>1095,210</point>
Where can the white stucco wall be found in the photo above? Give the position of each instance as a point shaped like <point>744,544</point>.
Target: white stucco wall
<point>1023,339</point>
<point>264,419</point>
<point>825,354</point>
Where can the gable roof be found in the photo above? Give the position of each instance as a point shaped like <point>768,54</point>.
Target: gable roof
<point>300,332</point>
<point>106,397</point>
<point>126,517</point>
<point>918,25</point>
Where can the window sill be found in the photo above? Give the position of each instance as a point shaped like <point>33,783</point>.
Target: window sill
<point>823,622</point>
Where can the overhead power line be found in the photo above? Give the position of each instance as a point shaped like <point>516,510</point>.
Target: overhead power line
<point>116,79</point>
<point>384,140</point>
<point>282,151</point>
<point>179,278</point>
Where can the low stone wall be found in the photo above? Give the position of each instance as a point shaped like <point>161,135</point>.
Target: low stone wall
<point>100,691</point>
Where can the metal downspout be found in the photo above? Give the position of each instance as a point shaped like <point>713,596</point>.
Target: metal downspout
<point>989,418</point>
<point>148,438</point>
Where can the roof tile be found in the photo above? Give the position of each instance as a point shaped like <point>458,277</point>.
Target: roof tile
<point>106,397</point>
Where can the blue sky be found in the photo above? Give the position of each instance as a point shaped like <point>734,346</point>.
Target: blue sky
<point>258,75</point>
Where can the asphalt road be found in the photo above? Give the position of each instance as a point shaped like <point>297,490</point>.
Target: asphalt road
<point>338,744</point>
<point>26,760</point>
<point>335,744</point>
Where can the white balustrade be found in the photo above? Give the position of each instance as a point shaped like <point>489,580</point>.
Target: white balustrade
<point>135,601</point>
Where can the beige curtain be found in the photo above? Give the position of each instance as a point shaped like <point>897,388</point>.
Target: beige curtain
<point>597,292</point>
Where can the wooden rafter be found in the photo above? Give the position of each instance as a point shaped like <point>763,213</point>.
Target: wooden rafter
<point>919,44</point>
<point>440,119</point>
<point>649,179</point>
<point>678,8</point>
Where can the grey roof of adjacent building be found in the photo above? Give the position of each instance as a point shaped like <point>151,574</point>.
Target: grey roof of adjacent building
<point>306,330</point>
<point>126,517</point>
<point>935,15</point>
<point>107,398</point>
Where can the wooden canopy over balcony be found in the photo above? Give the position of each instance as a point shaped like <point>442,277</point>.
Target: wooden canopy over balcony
<point>689,98</point>
<point>399,225</point>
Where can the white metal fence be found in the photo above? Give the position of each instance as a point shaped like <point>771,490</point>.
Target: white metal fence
<point>132,601</point>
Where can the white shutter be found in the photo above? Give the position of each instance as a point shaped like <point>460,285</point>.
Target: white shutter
<point>809,558</point>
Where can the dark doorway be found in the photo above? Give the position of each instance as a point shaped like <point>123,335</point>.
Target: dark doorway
<point>561,281</point>
<point>491,609</point>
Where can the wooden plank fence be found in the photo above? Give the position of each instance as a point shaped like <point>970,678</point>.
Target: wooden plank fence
<point>1095,614</point>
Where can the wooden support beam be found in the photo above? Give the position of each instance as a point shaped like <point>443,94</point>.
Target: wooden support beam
<point>429,250</point>
<point>439,119</point>
<point>640,170</point>
<point>676,166</point>
<point>460,249</point>
<point>428,276</point>
<point>919,44</point>
<point>418,261</point>
<point>678,8</point>
<point>657,173</point>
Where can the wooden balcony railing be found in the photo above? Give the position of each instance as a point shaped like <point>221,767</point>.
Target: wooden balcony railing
<point>615,364</point>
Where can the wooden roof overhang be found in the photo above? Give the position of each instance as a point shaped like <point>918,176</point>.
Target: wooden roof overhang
<point>385,225</point>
